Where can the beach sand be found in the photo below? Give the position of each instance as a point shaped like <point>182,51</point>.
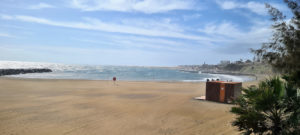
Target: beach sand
<point>85,107</point>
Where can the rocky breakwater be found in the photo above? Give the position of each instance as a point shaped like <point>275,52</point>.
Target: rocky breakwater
<point>23,71</point>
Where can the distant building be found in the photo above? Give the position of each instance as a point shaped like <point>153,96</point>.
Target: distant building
<point>224,62</point>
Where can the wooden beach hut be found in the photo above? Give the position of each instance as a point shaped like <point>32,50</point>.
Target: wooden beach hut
<point>220,91</point>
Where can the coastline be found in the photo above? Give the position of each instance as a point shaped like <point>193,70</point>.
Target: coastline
<point>127,73</point>
<point>52,106</point>
<point>50,79</point>
<point>260,77</point>
<point>150,80</point>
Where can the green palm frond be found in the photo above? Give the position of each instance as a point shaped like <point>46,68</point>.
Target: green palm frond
<point>269,108</point>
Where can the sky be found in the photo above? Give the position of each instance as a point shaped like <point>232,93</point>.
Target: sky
<point>133,32</point>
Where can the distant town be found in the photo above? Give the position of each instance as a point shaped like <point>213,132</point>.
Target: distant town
<point>239,67</point>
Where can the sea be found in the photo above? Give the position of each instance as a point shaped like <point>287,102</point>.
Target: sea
<point>107,72</point>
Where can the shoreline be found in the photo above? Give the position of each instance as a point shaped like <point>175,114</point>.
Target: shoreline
<point>49,79</point>
<point>175,81</point>
<point>230,73</point>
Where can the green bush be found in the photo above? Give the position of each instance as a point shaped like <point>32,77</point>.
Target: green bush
<point>271,108</point>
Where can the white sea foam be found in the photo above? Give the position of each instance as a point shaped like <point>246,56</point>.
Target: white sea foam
<point>224,77</point>
<point>202,80</point>
<point>27,65</point>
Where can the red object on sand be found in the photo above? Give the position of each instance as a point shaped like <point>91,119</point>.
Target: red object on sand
<point>114,78</point>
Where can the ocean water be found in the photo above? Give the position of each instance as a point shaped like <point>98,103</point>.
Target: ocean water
<point>130,73</point>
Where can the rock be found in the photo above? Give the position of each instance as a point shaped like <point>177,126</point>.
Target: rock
<point>23,71</point>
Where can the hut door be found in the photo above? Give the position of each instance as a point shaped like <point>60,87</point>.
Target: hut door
<point>222,92</point>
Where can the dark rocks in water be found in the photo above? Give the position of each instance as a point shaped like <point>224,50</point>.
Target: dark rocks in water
<point>23,71</point>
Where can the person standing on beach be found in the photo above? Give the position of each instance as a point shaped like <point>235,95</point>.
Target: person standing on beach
<point>114,79</point>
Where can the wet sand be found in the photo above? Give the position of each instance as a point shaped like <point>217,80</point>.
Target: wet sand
<point>84,107</point>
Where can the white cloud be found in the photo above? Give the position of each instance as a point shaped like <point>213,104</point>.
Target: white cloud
<point>41,6</point>
<point>226,29</point>
<point>228,4</point>
<point>6,35</point>
<point>145,6</point>
<point>98,25</point>
<point>191,17</point>
<point>238,41</point>
<point>136,42</point>
<point>256,7</point>
<point>6,17</point>
<point>154,24</point>
<point>224,34</point>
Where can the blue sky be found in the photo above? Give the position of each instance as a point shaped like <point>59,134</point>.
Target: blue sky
<point>133,32</point>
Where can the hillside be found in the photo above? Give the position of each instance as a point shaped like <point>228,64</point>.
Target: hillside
<point>238,68</point>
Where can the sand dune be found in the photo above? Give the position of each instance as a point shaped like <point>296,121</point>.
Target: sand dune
<point>78,107</point>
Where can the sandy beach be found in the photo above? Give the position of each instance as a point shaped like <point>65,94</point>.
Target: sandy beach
<point>85,107</point>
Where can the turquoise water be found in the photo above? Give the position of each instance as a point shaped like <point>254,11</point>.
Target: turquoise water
<point>129,73</point>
